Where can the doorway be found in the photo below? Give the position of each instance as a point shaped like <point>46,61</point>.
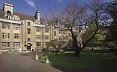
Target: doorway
<point>29,46</point>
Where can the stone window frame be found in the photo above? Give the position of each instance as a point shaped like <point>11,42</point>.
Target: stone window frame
<point>16,44</point>
<point>16,27</point>
<point>47,30</point>
<point>38,43</point>
<point>4,25</point>
<point>29,24</point>
<point>5,44</point>
<point>4,35</point>
<point>38,29</point>
<point>16,35</point>
<point>38,36</point>
<point>54,33</point>
<point>28,30</point>
<point>8,35</point>
<point>47,37</point>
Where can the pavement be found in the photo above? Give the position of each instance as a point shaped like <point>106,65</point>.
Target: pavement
<point>15,62</point>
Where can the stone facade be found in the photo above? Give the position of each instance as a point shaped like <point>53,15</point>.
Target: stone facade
<point>19,32</point>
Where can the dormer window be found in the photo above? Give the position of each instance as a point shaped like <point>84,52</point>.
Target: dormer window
<point>9,13</point>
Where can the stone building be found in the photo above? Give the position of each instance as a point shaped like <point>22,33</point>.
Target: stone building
<point>20,32</point>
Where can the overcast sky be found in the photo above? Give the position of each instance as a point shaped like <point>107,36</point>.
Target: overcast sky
<point>30,6</point>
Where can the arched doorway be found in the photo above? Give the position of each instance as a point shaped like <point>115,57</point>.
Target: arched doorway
<point>29,46</point>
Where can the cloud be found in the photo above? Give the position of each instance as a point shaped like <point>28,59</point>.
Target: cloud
<point>30,2</point>
<point>60,0</point>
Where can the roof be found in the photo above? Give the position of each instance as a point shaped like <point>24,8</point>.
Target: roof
<point>21,15</point>
<point>1,13</point>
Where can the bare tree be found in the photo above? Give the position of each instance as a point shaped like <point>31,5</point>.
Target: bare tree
<point>75,16</point>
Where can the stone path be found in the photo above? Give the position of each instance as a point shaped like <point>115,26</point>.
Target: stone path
<point>22,63</point>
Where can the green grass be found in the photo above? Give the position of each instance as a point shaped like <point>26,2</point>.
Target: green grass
<point>42,58</point>
<point>88,59</point>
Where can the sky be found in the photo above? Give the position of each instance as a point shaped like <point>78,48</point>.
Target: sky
<point>31,6</point>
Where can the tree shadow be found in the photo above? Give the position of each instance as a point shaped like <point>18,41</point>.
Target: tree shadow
<point>75,69</point>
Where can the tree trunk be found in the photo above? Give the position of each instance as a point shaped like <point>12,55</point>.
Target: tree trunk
<point>77,48</point>
<point>77,51</point>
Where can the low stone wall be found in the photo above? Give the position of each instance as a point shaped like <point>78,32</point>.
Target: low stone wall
<point>10,51</point>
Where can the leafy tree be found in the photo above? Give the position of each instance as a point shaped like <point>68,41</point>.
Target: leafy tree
<point>55,45</point>
<point>111,9</point>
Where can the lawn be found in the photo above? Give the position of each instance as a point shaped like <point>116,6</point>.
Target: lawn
<point>88,59</point>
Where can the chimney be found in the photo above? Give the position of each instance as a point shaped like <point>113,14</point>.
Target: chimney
<point>8,9</point>
<point>37,15</point>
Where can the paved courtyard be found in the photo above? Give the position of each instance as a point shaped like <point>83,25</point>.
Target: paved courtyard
<point>22,63</point>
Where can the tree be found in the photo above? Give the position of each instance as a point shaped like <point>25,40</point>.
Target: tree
<point>111,9</point>
<point>55,45</point>
<point>74,17</point>
<point>76,14</point>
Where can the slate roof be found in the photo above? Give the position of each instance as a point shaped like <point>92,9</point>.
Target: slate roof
<point>21,15</point>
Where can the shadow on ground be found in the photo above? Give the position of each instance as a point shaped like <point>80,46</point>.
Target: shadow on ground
<point>73,69</point>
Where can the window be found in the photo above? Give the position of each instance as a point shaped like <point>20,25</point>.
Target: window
<point>3,26</point>
<point>5,44</point>
<point>47,30</point>
<point>47,37</point>
<point>38,29</point>
<point>28,23</point>
<point>28,39</point>
<point>46,43</point>
<point>42,37</point>
<point>38,36</point>
<point>38,43</point>
<point>42,30</point>
<point>29,31</point>
<point>8,44</point>
<point>8,13</point>
<point>54,33</point>
<point>43,44</point>
<point>61,32</point>
<point>8,36</point>
<point>16,44</point>
<point>61,38</point>
<point>16,27</point>
<point>16,36</point>
<point>8,26</point>
<point>3,35</point>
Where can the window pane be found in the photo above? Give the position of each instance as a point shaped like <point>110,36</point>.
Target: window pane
<point>47,30</point>
<point>38,36</point>
<point>29,31</point>
<point>16,44</point>
<point>3,35</point>
<point>3,26</point>
<point>16,36</point>
<point>3,44</point>
<point>28,23</point>
<point>47,37</point>
<point>38,29</point>
<point>38,43</point>
<point>16,27</point>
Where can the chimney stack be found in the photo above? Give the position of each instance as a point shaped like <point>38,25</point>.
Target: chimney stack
<point>37,15</point>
